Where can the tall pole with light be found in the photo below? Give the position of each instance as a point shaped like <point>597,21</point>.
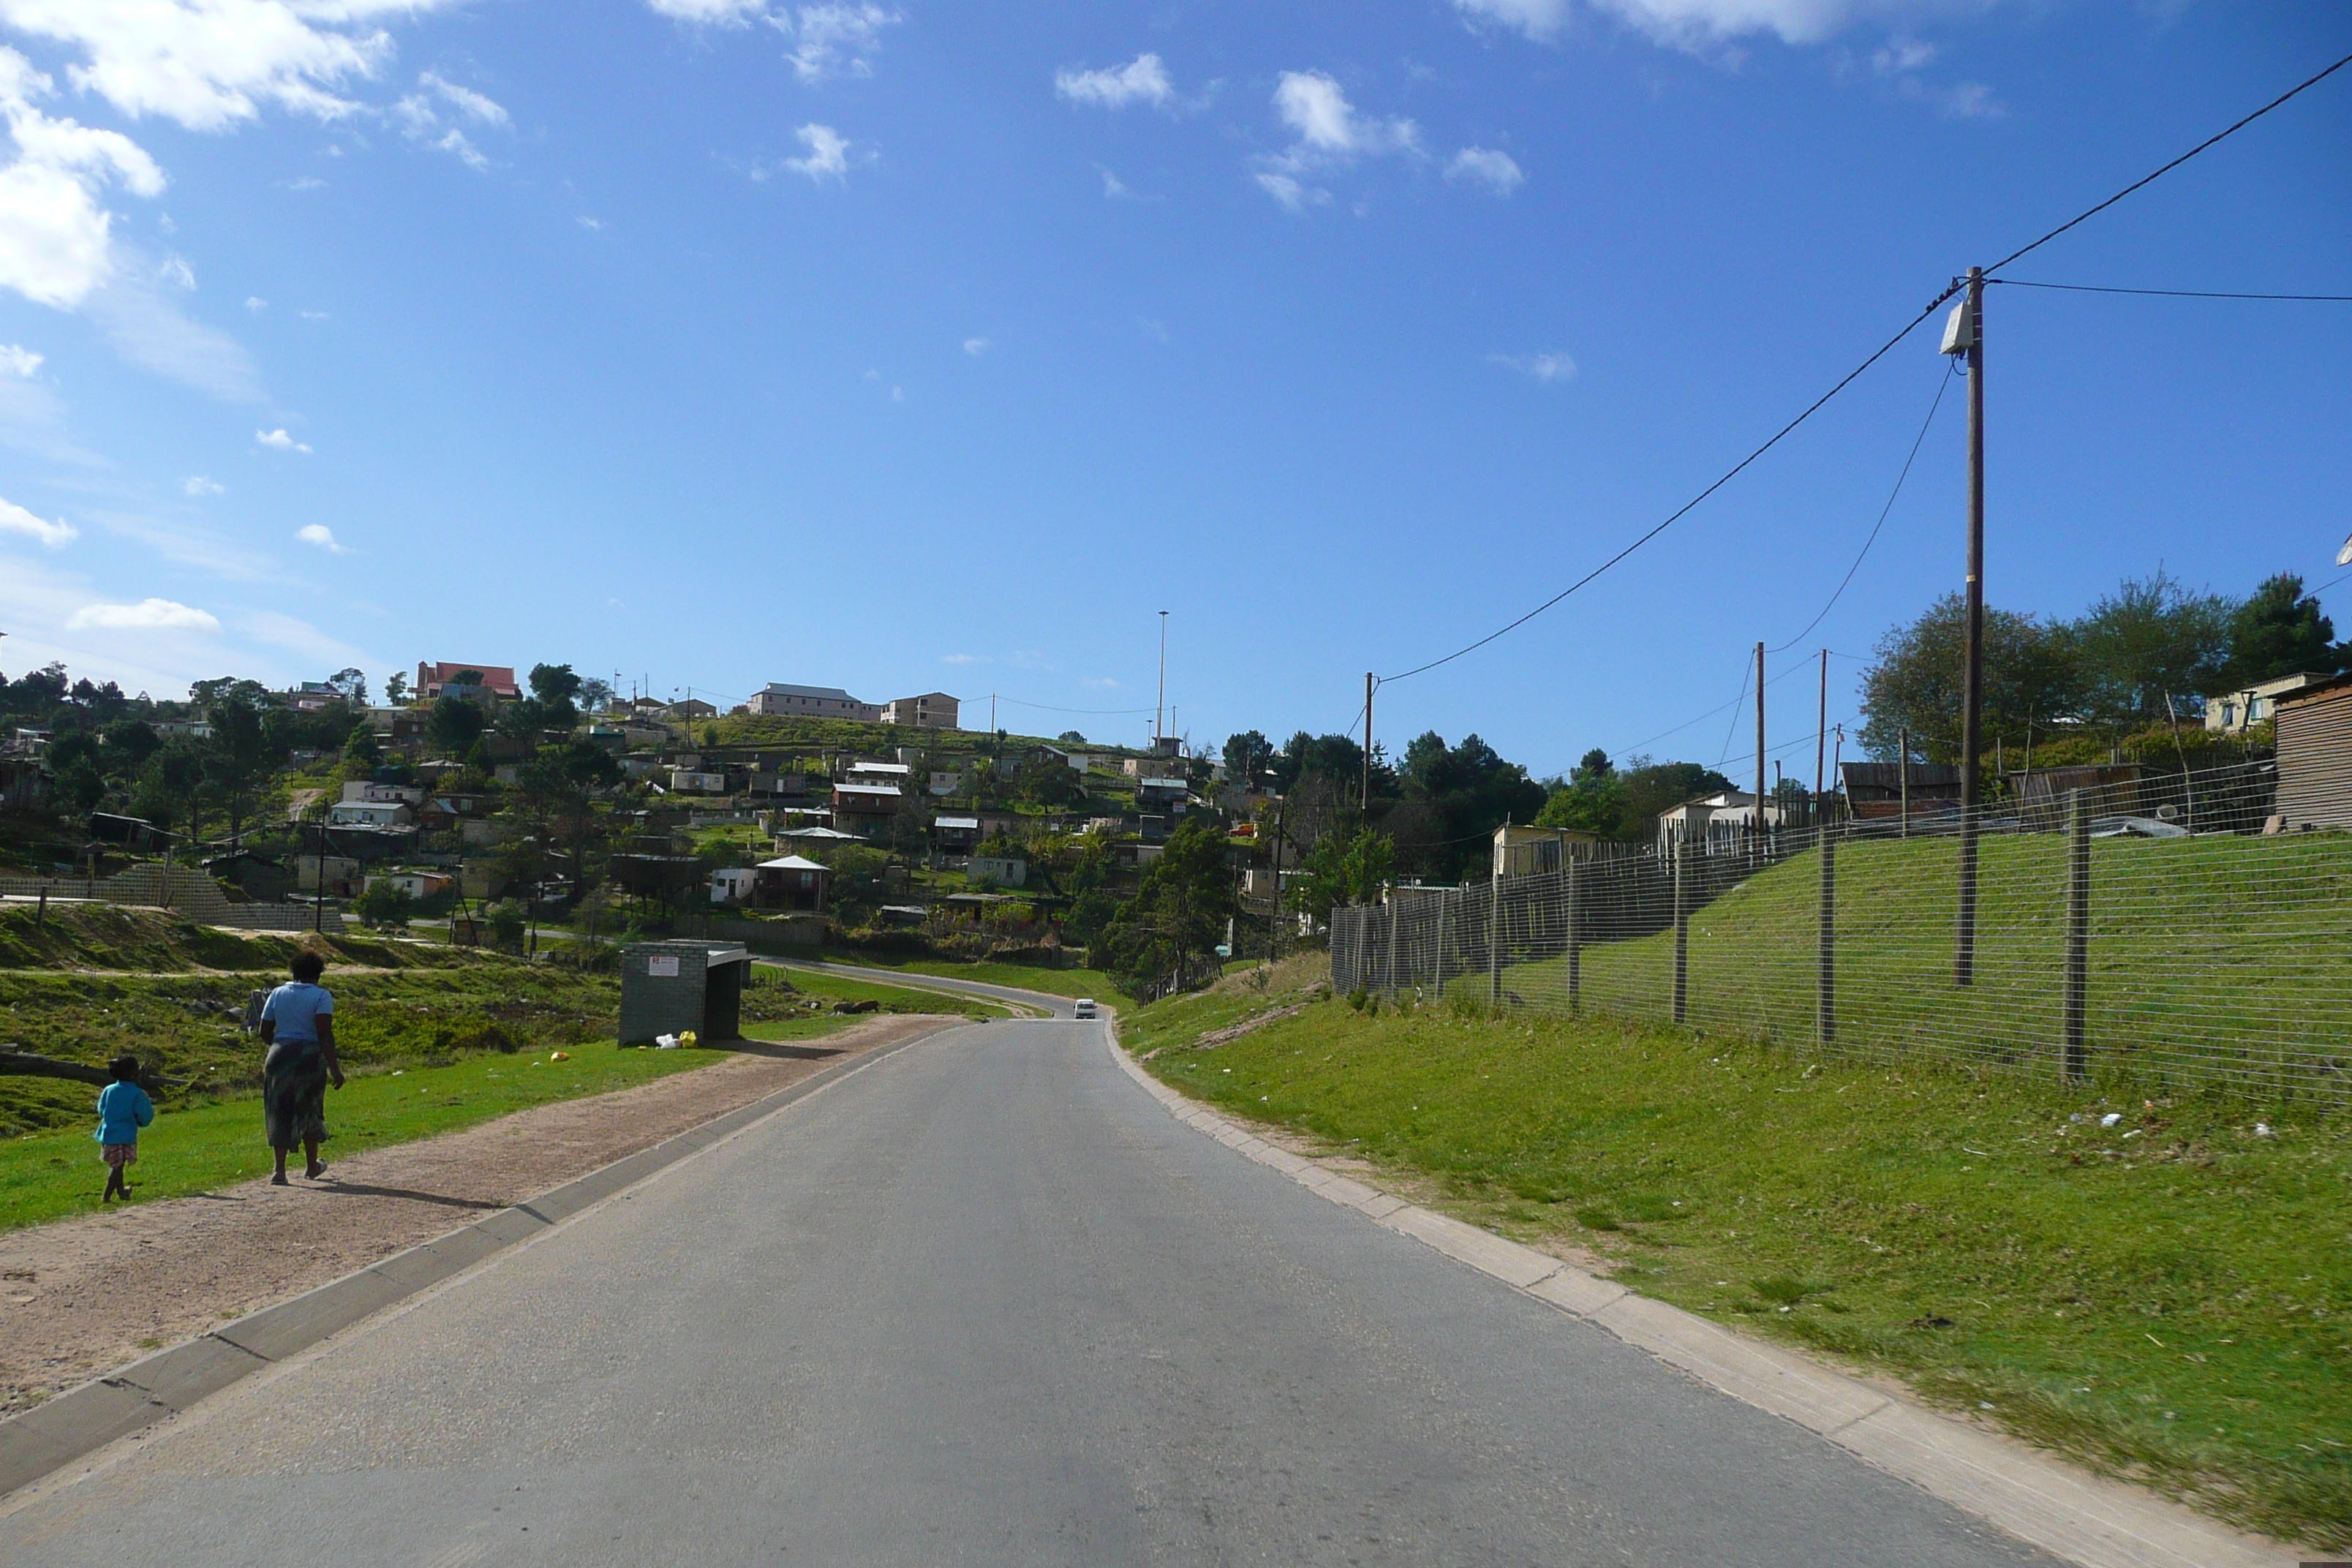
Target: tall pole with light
<point>1160,705</point>
<point>1964,334</point>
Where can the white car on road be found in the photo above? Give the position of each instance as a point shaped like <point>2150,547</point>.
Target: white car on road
<point>1085,1009</point>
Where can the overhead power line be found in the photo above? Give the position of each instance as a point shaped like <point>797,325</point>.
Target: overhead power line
<point>2173,293</point>
<point>1951,368</point>
<point>2306,84</point>
<point>1849,378</point>
<point>1042,708</point>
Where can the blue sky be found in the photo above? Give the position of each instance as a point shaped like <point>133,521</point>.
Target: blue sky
<point>906,347</point>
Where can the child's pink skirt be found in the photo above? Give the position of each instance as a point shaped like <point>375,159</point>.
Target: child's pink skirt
<point>119,1154</point>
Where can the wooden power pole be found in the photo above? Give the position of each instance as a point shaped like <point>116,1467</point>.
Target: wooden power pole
<point>1366,804</point>
<point>1964,958</point>
<point>1759,751</point>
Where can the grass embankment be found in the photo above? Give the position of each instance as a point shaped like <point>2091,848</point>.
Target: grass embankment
<point>217,1144</point>
<point>2170,1298</point>
<point>2231,955</point>
<point>1094,983</point>
<point>825,990</point>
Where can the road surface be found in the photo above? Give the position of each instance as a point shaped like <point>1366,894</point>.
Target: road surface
<point>982,1302</point>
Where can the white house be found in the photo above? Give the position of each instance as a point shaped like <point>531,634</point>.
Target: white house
<point>415,884</point>
<point>732,884</point>
<point>684,781</point>
<point>406,795</point>
<point>2233,713</point>
<point>369,814</point>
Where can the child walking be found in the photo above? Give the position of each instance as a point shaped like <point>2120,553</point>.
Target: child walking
<point>123,1108</point>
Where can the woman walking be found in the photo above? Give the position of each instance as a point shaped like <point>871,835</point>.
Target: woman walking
<point>298,1025</point>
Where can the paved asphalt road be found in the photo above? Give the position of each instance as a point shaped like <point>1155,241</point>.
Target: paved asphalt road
<point>983,1302</point>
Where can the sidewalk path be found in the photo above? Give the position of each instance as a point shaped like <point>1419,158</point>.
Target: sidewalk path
<point>82,1296</point>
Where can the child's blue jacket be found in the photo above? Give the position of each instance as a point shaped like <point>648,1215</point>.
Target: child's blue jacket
<point>122,1109</point>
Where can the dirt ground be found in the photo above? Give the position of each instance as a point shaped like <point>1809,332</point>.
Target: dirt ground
<point>81,1296</point>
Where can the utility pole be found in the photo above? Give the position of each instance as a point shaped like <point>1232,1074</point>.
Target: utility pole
<point>1971,340</point>
<point>1821,741</point>
<point>1759,752</point>
<point>1160,705</point>
<point>1367,803</point>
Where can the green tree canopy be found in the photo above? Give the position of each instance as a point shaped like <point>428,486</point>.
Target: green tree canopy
<point>455,724</point>
<point>2280,631</point>
<point>1342,870</point>
<point>1178,911</point>
<point>2148,643</point>
<point>2031,676</point>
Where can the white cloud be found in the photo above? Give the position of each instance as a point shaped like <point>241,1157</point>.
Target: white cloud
<point>56,240</point>
<point>148,328</point>
<point>165,613</point>
<point>1112,186</point>
<point>1545,368</point>
<point>833,40</point>
<point>1705,24</point>
<point>719,13</point>
<point>19,362</point>
<point>299,636</point>
<point>199,486</point>
<point>423,116</point>
<point>976,347</point>
<point>960,658</point>
<point>14,518</point>
<point>828,155</point>
<point>256,303</point>
<point>1317,107</point>
<point>319,534</point>
<point>1142,80</point>
<point>1498,172</point>
<point>307,183</point>
<point>591,224</point>
<point>277,440</point>
<point>1899,61</point>
<point>1099,682</point>
<point>176,271</point>
<point>312,315</point>
<point>473,105</point>
<point>1290,192</point>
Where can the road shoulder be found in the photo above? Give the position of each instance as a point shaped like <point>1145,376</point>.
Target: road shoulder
<point>2083,1518</point>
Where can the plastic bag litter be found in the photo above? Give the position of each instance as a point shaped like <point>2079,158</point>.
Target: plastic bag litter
<point>559,1056</point>
<point>2263,1129</point>
<point>665,1042</point>
<point>2111,1118</point>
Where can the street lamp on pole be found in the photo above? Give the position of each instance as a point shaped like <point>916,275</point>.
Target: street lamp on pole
<point>1160,704</point>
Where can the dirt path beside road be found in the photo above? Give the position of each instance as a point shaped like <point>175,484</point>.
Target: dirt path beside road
<point>81,1296</point>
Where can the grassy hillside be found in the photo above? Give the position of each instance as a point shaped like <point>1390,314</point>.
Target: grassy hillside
<point>107,936</point>
<point>2167,1299</point>
<point>2225,954</point>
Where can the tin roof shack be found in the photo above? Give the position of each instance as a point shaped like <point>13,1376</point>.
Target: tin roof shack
<point>669,987</point>
<point>2042,794</point>
<point>258,876</point>
<point>955,834</point>
<point>1875,790</point>
<point>2314,730</point>
<point>866,809</point>
<point>791,882</point>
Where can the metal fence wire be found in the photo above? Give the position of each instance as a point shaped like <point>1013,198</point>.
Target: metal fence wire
<point>2161,931</point>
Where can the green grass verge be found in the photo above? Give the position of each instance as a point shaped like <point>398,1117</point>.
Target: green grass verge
<point>830,988</point>
<point>56,1174</point>
<point>1023,976</point>
<point>2169,1299</point>
<point>2227,957</point>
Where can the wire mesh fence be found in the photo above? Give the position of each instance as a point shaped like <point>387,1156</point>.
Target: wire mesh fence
<point>2155,930</point>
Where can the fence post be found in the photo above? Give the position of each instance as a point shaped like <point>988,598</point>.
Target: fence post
<point>1682,934</point>
<point>1494,938</point>
<point>1827,984</point>
<point>1390,976</point>
<point>1575,942</point>
<point>2078,930</point>
<point>1444,913</point>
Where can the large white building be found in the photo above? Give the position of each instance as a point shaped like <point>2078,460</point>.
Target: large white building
<point>812,702</point>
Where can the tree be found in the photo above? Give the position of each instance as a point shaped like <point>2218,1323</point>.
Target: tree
<point>361,748</point>
<point>2031,676</point>
<point>595,695</point>
<point>554,688</point>
<point>1247,756</point>
<point>1178,911</point>
<point>455,724</point>
<point>1342,870</point>
<point>1071,738</point>
<point>2150,649</point>
<point>352,683</point>
<point>395,690</point>
<point>1454,797</point>
<point>507,921</point>
<point>129,743</point>
<point>385,904</point>
<point>2280,631</point>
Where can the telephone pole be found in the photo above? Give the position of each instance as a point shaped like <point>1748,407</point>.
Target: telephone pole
<point>1822,740</point>
<point>1965,334</point>
<point>1759,751</point>
<point>1366,806</point>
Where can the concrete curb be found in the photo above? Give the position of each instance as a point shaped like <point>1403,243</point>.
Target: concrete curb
<point>82,1420</point>
<point>2084,1519</point>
